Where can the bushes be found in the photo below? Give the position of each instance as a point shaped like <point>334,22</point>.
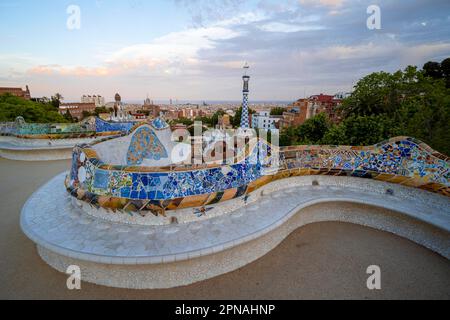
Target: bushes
<point>12,107</point>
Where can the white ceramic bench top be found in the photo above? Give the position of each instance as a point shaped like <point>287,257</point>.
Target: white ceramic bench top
<point>51,220</point>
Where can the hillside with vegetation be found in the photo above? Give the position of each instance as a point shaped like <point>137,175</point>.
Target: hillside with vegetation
<point>12,107</point>
<point>408,102</point>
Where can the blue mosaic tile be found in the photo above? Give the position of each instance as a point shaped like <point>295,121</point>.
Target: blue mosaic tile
<point>145,145</point>
<point>159,123</point>
<point>101,179</point>
<point>104,126</point>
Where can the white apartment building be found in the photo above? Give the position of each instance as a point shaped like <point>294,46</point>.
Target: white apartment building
<point>263,120</point>
<point>97,99</point>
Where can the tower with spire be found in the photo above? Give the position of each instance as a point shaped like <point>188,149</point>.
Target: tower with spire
<point>244,115</point>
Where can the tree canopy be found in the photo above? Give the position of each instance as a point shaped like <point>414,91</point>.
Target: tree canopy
<point>12,107</point>
<point>408,102</point>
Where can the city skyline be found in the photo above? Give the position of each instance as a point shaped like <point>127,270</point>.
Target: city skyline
<point>195,50</point>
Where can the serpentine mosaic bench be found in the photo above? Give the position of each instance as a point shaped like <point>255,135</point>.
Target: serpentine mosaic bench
<point>53,141</point>
<point>132,187</point>
<point>131,217</point>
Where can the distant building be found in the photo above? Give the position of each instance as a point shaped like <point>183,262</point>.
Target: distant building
<point>295,115</point>
<point>342,95</point>
<point>138,116</point>
<point>98,100</point>
<point>154,110</point>
<point>224,122</point>
<point>304,109</point>
<point>18,92</point>
<point>76,109</point>
<point>324,103</point>
<point>119,113</point>
<point>263,120</point>
<point>169,114</point>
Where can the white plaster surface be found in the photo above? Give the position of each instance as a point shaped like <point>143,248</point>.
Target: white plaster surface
<point>40,149</point>
<point>148,256</point>
<point>115,151</point>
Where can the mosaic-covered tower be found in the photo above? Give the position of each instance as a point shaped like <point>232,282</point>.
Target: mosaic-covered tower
<point>244,115</point>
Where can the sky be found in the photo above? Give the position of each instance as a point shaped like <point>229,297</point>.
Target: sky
<point>194,49</point>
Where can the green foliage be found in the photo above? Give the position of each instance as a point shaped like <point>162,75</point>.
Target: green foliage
<point>438,70</point>
<point>277,111</point>
<point>184,121</point>
<point>313,129</point>
<point>215,118</point>
<point>56,100</point>
<point>12,107</point>
<point>103,109</point>
<point>445,68</point>
<point>432,69</point>
<point>361,131</point>
<point>384,105</point>
<point>68,116</point>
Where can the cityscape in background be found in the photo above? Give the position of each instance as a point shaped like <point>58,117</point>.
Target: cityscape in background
<point>267,115</point>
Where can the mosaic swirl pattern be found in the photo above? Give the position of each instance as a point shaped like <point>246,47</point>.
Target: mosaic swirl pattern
<point>145,145</point>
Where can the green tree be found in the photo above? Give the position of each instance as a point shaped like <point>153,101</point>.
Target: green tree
<point>103,109</point>
<point>68,116</point>
<point>445,67</point>
<point>86,114</point>
<point>406,102</point>
<point>432,69</point>
<point>56,100</point>
<point>361,130</point>
<point>12,107</point>
<point>184,121</point>
<point>215,117</point>
<point>277,111</point>
<point>288,136</point>
<point>313,130</point>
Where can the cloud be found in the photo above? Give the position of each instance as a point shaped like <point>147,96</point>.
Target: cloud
<point>323,46</point>
<point>171,54</point>
<point>206,11</point>
<point>326,3</point>
<point>77,71</point>
<point>385,51</point>
<point>171,50</point>
<point>284,27</point>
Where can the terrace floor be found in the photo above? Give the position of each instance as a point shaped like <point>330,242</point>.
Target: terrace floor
<point>322,260</point>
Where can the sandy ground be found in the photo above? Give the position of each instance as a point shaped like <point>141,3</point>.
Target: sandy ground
<point>324,260</point>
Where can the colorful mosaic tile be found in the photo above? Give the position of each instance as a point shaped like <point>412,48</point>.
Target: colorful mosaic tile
<point>104,126</point>
<point>145,145</point>
<point>400,160</point>
<point>89,126</point>
<point>159,124</point>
